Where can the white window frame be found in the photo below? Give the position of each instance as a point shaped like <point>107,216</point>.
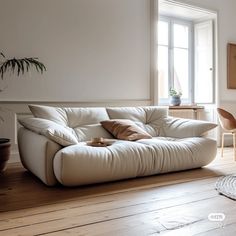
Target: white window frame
<point>171,21</point>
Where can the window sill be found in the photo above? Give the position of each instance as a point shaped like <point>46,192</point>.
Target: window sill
<point>183,107</point>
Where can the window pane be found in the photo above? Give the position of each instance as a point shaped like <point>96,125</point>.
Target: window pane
<point>181,71</point>
<point>162,32</point>
<point>163,89</point>
<point>181,36</point>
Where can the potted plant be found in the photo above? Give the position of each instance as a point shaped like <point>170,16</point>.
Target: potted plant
<point>18,66</point>
<point>175,97</point>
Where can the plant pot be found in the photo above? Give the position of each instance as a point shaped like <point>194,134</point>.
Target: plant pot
<point>175,101</point>
<point>4,152</point>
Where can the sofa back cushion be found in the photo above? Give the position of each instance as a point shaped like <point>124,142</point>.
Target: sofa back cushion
<point>62,135</point>
<point>86,121</point>
<point>151,119</point>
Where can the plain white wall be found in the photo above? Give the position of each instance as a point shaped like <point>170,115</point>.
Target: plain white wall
<point>93,49</point>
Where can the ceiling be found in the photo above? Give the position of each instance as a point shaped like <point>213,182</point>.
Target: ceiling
<point>178,10</point>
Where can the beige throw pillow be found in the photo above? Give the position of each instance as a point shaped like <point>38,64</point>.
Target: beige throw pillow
<point>125,129</point>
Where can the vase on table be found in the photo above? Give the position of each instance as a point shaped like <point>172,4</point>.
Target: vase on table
<point>175,100</point>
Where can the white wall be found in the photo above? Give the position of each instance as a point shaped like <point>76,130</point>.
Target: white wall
<point>93,49</point>
<point>97,53</point>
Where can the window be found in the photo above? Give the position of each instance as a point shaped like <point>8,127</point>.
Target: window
<point>178,66</point>
<point>203,62</point>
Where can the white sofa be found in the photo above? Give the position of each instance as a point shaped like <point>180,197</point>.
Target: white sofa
<point>53,146</point>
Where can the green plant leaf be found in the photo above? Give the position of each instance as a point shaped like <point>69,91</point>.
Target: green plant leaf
<point>21,65</point>
<point>18,67</point>
<point>3,68</point>
<point>27,65</point>
<point>2,54</point>
<point>13,65</point>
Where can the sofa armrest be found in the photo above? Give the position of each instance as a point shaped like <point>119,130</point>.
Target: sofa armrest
<point>37,153</point>
<point>184,128</point>
<point>63,135</point>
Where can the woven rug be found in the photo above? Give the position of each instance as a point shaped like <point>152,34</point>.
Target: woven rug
<point>227,186</point>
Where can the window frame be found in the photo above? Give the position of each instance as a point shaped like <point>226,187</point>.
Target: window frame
<point>171,21</point>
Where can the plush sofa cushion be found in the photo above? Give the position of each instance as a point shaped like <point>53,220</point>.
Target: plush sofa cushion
<point>56,132</point>
<point>84,121</point>
<point>55,114</point>
<point>125,129</point>
<point>184,128</point>
<point>154,120</point>
<point>81,164</point>
<point>151,118</point>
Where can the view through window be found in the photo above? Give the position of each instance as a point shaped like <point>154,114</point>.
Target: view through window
<point>185,55</point>
<point>174,58</point>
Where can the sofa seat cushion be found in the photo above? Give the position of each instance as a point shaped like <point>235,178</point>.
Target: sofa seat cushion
<point>81,164</point>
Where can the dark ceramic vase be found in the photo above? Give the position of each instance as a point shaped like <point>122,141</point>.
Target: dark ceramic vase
<point>4,152</point>
<point>175,101</point>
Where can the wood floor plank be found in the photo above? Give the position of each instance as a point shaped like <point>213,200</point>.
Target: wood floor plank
<point>223,229</point>
<point>150,194</point>
<point>169,204</point>
<point>170,218</point>
<point>107,210</point>
<point>17,197</point>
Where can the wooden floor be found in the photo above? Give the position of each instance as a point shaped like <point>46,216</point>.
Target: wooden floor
<point>172,204</point>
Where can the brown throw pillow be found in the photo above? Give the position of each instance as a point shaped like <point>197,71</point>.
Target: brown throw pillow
<point>125,129</point>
